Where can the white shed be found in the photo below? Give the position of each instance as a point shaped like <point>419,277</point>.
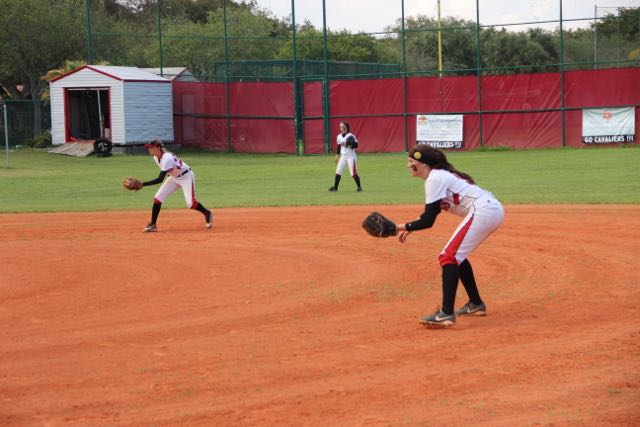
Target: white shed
<point>125,105</point>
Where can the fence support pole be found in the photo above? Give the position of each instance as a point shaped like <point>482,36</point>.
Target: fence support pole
<point>439,43</point>
<point>294,70</point>
<point>404,80</point>
<point>89,37</point>
<point>6,134</point>
<point>479,65</point>
<point>595,36</point>
<point>159,26</point>
<point>226,74</point>
<point>327,121</point>
<point>564,142</point>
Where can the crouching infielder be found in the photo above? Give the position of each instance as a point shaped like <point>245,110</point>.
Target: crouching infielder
<point>180,175</point>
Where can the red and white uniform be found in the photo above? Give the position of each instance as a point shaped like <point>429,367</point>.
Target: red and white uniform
<point>347,154</point>
<point>179,175</point>
<point>482,212</point>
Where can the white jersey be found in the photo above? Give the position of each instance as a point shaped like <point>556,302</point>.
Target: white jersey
<point>169,163</point>
<point>456,195</point>
<point>341,140</point>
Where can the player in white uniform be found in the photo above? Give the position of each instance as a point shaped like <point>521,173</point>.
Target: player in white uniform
<point>346,148</point>
<point>453,191</point>
<point>180,176</point>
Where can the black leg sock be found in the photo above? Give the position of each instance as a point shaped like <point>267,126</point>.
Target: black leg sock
<point>449,286</point>
<point>155,211</point>
<point>337,181</point>
<point>202,209</point>
<point>469,281</point>
<point>357,180</point>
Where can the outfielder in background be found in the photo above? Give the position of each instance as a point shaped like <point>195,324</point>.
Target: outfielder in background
<point>180,176</point>
<point>346,149</point>
<point>455,192</point>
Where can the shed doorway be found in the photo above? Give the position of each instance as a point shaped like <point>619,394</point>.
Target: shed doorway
<point>87,114</point>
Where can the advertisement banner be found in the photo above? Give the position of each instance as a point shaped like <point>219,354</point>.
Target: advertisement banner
<point>439,131</point>
<point>608,125</point>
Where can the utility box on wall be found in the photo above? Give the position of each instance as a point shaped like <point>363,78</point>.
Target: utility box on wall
<point>125,105</point>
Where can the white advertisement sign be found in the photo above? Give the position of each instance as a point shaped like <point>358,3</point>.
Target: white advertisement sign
<point>608,125</point>
<point>439,131</point>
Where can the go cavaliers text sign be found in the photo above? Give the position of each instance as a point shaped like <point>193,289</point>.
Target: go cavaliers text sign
<point>608,125</point>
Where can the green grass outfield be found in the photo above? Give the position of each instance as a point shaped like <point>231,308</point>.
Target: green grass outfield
<point>37,181</point>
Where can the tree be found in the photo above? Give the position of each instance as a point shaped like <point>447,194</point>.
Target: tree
<point>67,67</point>
<point>341,46</point>
<point>625,23</point>
<point>36,35</point>
<point>502,50</point>
<point>458,43</point>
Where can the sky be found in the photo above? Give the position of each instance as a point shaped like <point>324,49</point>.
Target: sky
<point>374,15</point>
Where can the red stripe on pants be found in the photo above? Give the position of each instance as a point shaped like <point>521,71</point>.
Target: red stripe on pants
<point>448,256</point>
<point>194,202</point>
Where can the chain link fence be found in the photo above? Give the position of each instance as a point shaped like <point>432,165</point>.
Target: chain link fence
<point>293,40</point>
<point>414,36</point>
<point>28,123</point>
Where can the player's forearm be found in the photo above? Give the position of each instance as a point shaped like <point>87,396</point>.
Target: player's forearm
<point>158,180</point>
<point>426,220</point>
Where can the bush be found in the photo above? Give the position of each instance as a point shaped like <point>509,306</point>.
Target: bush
<point>41,141</point>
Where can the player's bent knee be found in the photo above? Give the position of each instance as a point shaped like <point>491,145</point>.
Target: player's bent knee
<point>446,258</point>
<point>194,204</point>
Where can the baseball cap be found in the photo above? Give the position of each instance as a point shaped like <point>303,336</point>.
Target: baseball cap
<point>154,143</point>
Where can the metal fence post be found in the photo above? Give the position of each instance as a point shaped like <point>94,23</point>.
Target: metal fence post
<point>159,26</point>
<point>325,91</point>
<point>404,81</point>
<point>294,70</point>
<point>226,73</point>
<point>89,37</point>
<point>562,78</point>
<point>595,37</point>
<point>479,65</point>
<point>6,133</point>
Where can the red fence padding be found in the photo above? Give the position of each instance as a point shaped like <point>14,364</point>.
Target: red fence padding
<point>312,95</point>
<point>604,88</point>
<point>246,99</point>
<point>427,95</point>
<point>274,99</point>
<point>352,99</point>
<point>199,98</point>
<point>521,92</point>
<point>201,132</point>
<point>314,136</point>
<point>262,136</point>
<point>522,130</point>
<point>375,134</point>
<point>573,128</point>
<point>359,97</point>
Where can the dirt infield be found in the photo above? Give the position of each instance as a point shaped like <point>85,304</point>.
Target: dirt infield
<point>293,316</point>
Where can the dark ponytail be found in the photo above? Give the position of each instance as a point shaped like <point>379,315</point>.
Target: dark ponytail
<point>436,159</point>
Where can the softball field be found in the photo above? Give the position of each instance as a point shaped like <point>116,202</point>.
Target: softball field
<point>294,316</point>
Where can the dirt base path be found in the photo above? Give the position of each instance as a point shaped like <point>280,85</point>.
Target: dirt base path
<point>294,316</point>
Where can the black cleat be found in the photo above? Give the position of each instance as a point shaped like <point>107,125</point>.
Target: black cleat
<point>209,219</point>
